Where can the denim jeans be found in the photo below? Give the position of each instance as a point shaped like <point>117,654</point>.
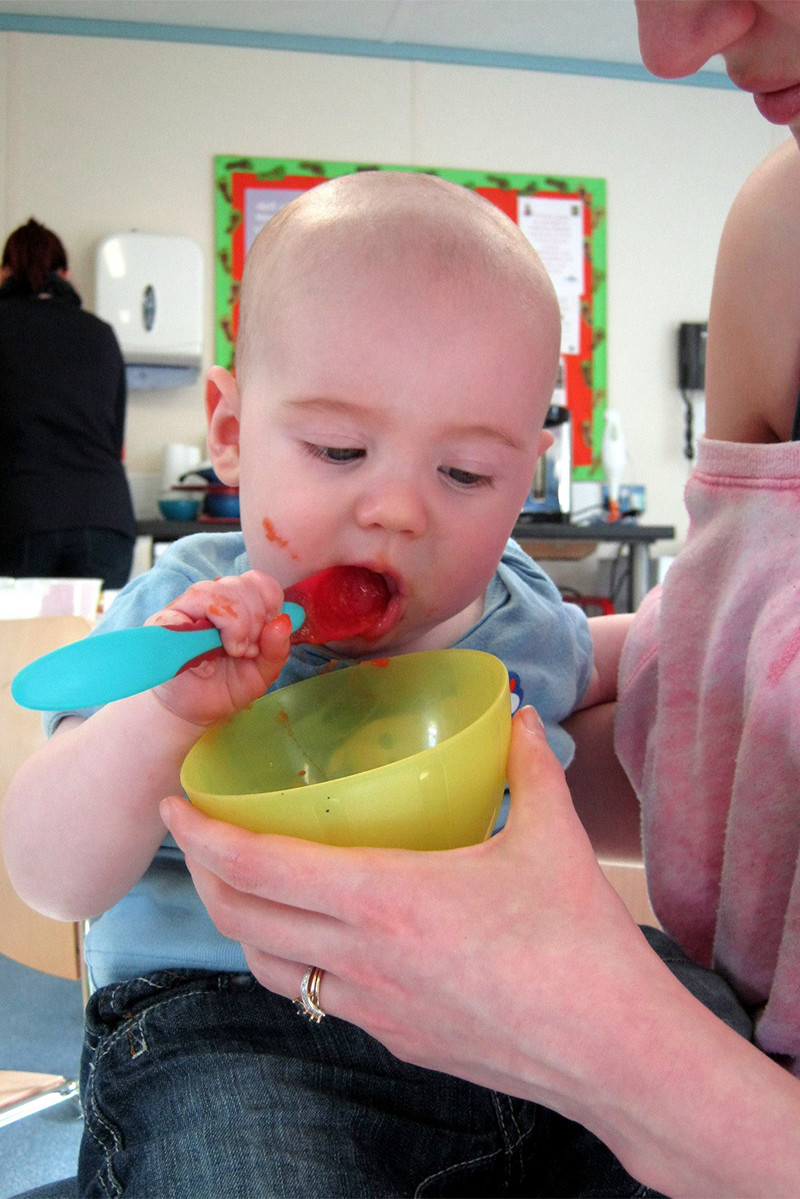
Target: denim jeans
<point>70,553</point>
<point>207,1086</point>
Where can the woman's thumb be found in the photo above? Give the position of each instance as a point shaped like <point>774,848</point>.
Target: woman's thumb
<point>535,776</point>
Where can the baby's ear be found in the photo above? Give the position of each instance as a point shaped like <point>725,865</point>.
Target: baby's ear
<point>223,410</point>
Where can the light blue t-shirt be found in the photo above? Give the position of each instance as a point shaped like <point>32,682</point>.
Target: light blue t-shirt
<point>544,642</point>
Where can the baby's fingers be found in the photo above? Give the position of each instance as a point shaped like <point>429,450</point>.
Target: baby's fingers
<point>238,606</point>
<point>273,647</point>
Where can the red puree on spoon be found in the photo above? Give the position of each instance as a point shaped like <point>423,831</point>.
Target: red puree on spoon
<point>340,602</point>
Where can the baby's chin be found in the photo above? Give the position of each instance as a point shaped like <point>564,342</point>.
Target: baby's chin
<point>364,648</point>
<point>396,635</point>
<point>402,642</point>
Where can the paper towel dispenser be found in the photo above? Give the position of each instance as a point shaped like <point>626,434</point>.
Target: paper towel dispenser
<point>149,287</point>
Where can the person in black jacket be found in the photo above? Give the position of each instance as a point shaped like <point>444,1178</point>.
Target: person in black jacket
<point>65,504</point>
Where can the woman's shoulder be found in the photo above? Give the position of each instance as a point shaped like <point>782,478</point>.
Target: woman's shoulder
<point>753,356</point>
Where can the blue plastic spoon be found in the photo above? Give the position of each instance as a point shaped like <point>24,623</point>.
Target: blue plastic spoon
<point>109,666</point>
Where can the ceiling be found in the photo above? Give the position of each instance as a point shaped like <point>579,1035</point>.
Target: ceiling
<point>595,31</point>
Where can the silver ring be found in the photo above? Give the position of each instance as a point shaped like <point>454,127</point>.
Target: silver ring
<point>308,1003</point>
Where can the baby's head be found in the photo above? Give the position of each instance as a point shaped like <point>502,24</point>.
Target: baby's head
<point>397,351</point>
<point>375,225</point>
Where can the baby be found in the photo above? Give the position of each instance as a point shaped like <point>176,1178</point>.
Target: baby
<point>397,351</point>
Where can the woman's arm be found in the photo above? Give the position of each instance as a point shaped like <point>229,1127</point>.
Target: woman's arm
<point>753,355</point>
<point>512,964</point>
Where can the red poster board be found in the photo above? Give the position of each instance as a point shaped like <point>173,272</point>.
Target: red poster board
<point>564,217</point>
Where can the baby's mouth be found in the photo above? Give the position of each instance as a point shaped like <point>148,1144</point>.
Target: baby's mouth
<point>392,612</point>
<point>343,602</point>
<point>386,614</point>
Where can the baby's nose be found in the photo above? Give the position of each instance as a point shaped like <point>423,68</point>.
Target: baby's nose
<point>396,506</point>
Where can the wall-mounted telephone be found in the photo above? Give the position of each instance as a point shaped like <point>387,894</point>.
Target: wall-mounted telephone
<point>692,379</point>
<point>692,357</point>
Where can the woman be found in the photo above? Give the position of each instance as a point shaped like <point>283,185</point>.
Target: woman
<point>545,989</point>
<point>66,504</point>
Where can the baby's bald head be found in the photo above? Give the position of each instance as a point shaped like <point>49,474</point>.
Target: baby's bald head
<point>412,226</point>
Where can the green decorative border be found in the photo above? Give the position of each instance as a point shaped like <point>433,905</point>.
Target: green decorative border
<point>591,364</point>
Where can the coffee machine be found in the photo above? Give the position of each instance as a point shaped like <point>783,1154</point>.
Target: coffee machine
<point>550,496</point>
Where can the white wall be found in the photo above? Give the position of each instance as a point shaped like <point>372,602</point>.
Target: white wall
<point>98,136</point>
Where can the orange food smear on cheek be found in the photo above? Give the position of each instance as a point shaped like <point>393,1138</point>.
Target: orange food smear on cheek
<point>275,537</point>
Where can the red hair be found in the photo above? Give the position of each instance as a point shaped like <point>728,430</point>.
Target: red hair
<point>32,252</point>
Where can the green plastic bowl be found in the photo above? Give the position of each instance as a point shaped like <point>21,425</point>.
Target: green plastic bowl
<point>406,752</point>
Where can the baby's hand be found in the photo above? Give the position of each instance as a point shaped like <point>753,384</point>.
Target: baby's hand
<point>255,646</point>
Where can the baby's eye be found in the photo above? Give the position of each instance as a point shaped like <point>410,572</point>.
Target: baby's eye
<point>330,453</point>
<point>465,478</point>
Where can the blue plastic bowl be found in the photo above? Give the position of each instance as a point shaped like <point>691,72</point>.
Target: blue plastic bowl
<point>179,509</point>
<point>223,505</point>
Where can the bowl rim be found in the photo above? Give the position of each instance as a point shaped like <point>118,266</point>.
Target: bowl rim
<point>311,791</point>
<point>178,501</point>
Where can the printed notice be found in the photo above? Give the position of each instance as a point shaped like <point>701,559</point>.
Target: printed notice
<point>570,305</point>
<point>259,206</point>
<point>554,227</point>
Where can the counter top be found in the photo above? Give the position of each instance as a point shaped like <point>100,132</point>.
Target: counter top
<point>620,531</point>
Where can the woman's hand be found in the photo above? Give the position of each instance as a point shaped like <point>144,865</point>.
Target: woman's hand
<point>448,958</point>
<point>255,646</point>
<point>514,965</point>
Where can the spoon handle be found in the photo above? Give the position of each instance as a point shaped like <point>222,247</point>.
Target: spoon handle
<point>108,666</point>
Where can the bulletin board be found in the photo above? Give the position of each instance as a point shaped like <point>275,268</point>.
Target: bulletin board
<point>563,216</point>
